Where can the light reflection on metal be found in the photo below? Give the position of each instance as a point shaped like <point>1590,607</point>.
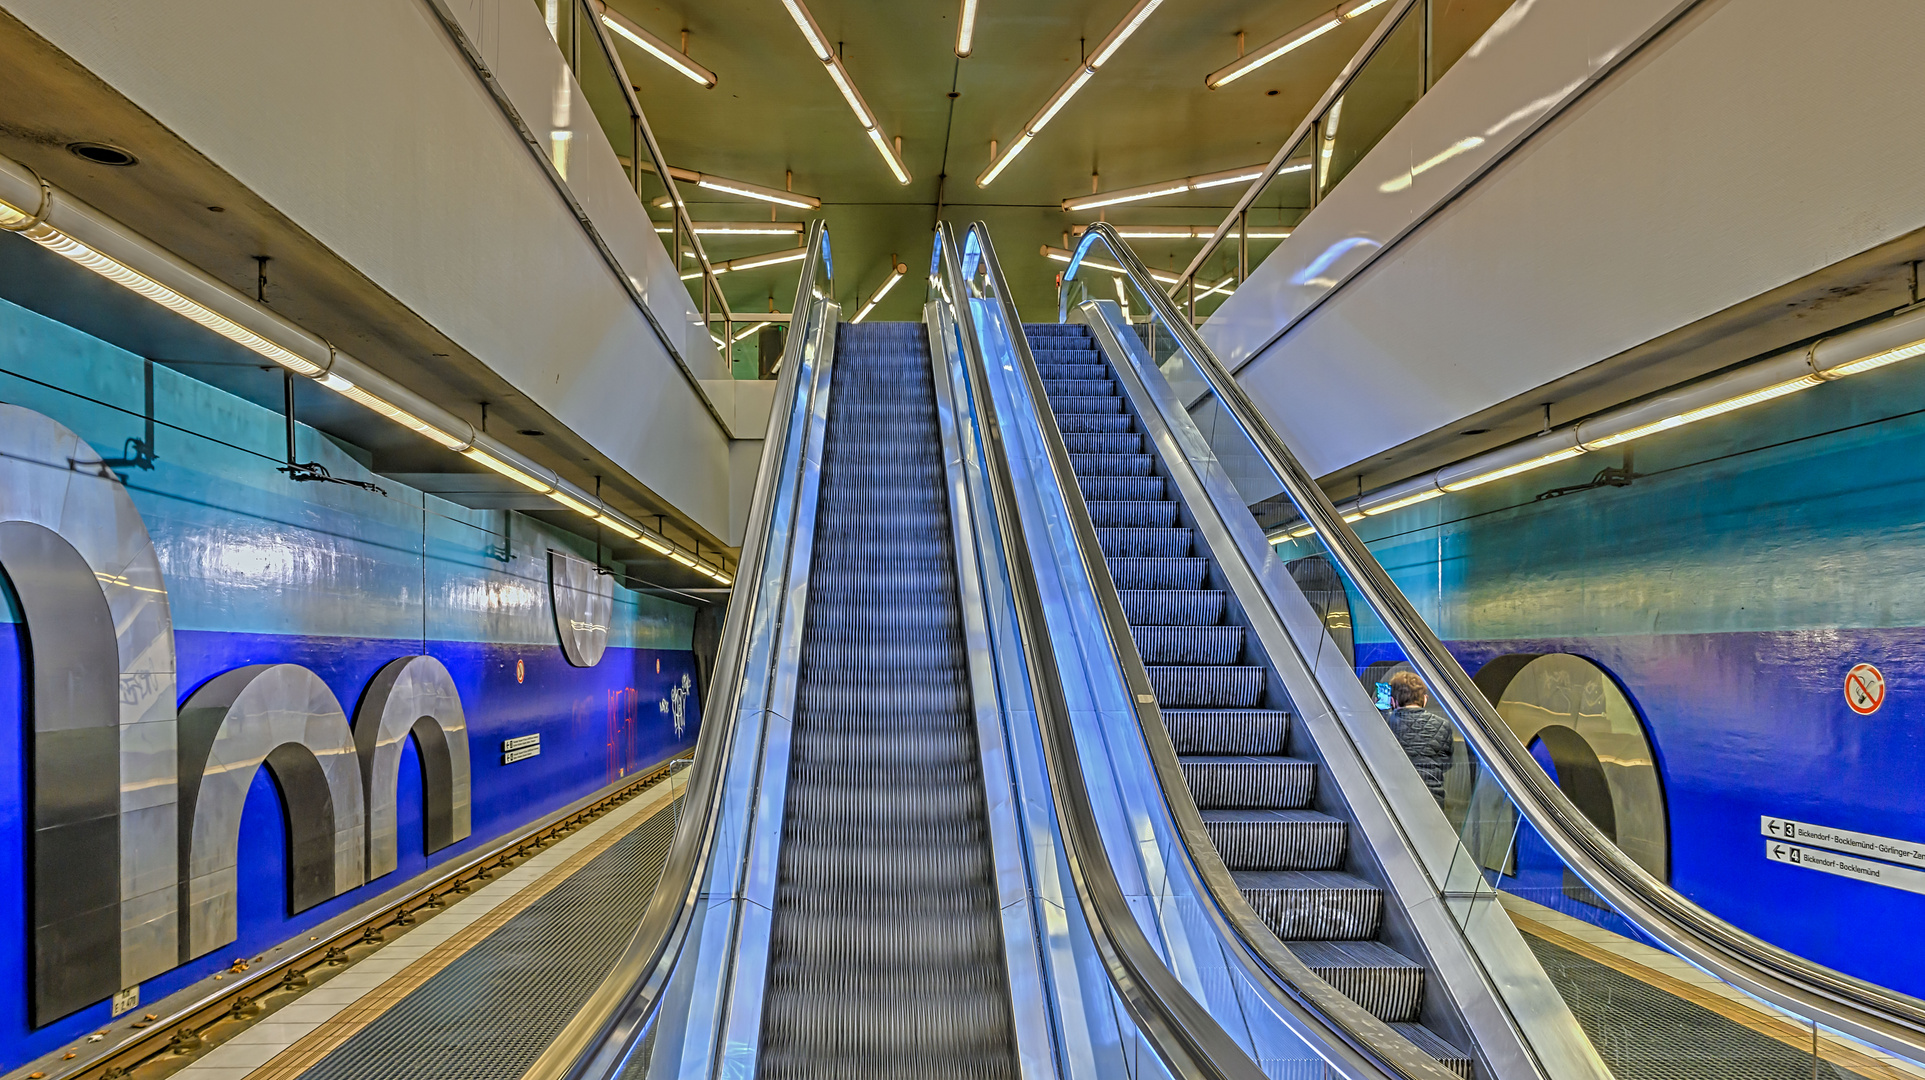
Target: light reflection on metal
<point>114,751</point>
<point>584,600</point>
<point>284,717</point>
<point>416,696</point>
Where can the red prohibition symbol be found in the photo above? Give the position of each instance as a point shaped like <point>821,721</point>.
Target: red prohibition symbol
<point>1864,689</point>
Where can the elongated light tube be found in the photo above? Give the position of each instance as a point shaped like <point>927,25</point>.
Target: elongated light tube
<point>654,46</point>
<point>1553,458</point>
<point>754,191</point>
<point>895,275</point>
<point>751,262</point>
<point>1100,199</point>
<point>13,219</point>
<point>819,44</point>
<point>966,28</point>
<point>1692,416</point>
<point>1290,42</point>
<point>1059,255</point>
<point>1105,49</point>
<point>1183,232</point>
<point>740,228</point>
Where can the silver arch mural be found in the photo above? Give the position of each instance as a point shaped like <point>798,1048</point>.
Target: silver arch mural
<point>413,696</point>
<point>100,645</point>
<point>584,600</point>
<point>135,806</point>
<point>284,717</point>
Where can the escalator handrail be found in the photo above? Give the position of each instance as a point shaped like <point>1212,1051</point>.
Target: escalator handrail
<point>1185,1036</point>
<point>597,1040</point>
<point>1864,1010</point>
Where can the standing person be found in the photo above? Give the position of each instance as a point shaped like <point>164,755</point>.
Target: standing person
<point>1424,735</point>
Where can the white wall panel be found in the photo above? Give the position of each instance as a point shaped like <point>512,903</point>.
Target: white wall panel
<point>1752,144</point>
<point>361,121</point>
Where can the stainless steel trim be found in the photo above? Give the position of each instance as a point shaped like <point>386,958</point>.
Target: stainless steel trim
<point>1886,1018</point>
<point>605,1031</point>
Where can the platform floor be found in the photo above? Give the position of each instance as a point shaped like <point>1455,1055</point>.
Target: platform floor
<point>478,991</point>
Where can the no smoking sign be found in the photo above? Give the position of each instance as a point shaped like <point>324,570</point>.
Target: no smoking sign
<point>1864,689</point>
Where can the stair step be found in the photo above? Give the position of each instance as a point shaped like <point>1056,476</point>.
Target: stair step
<point>1172,607</point>
<point>1433,1044</point>
<point>1183,575</point>
<point>1095,423</point>
<point>1073,370</point>
<point>1144,543</point>
<point>1314,906</point>
<point>1131,514</point>
<point>1092,404</point>
<point>1206,646</point>
<point>1078,388</point>
<point>1131,465</point>
<point>1277,840</point>
<point>1121,488</point>
<point>1228,731</point>
<point>1103,443</point>
<point>1381,979</point>
<point>1249,782</point>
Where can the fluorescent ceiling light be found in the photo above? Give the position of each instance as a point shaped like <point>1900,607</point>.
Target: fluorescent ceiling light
<point>1105,49</point>
<point>1182,232</point>
<point>574,504</point>
<point>1062,256</point>
<point>483,457</point>
<point>750,262</point>
<point>1876,360</point>
<point>654,46</point>
<point>1565,454</point>
<point>406,419</point>
<point>1768,393</point>
<point>819,44</point>
<point>750,330</point>
<point>895,275</point>
<point>1425,495</point>
<point>751,191</point>
<point>1302,35</point>
<point>966,28</point>
<point>1167,187</point>
<point>739,228</point>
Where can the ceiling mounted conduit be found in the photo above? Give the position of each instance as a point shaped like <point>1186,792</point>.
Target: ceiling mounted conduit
<point>71,228</point>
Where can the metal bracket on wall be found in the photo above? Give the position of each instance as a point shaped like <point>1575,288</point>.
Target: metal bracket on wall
<point>1613,476</point>
<point>311,471</point>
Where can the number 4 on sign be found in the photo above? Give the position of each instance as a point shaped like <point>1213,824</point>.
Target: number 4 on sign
<point>1864,689</point>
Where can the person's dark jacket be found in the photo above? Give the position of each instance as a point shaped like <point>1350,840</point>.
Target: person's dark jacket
<point>1426,739</point>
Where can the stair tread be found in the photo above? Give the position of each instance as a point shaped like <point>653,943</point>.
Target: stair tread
<point>1264,817</point>
<point>1433,1044</point>
<point>1242,759</point>
<point>1301,880</point>
<point>1350,954</point>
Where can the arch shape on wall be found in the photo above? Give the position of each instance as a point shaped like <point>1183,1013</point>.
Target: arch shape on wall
<point>284,717</point>
<point>1596,739</point>
<point>413,695</point>
<point>584,601</point>
<point>102,788</point>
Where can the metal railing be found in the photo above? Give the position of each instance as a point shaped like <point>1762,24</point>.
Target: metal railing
<point>1859,1009</point>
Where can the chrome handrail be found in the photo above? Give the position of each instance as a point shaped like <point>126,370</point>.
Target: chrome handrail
<point>1183,1033</point>
<point>1863,1010</point>
<point>597,1041</point>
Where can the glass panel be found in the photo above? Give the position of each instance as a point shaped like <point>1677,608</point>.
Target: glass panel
<point>1383,91</point>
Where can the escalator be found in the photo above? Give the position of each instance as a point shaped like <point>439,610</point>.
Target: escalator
<point>885,954</point>
<point>1229,724</point>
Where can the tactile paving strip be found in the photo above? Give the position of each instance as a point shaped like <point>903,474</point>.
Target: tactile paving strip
<point>490,1013</point>
<point>1644,1033</point>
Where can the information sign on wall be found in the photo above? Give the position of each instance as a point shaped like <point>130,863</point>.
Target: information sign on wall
<point>1878,873</point>
<point>520,748</point>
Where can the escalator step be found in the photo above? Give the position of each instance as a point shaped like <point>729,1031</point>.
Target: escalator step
<point>1381,979</point>
<point>1117,514</point>
<point>1090,404</point>
<point>1095,423</point>
<point>1198,686</point>
<point>1169,607</point>
<point>1080,367</point>
<point>1302,906</point>
<point>1122,488</point>
<point>1430,1043</point>
<point>1183,575</point>
<point>1142,543</point>
<point>1078,388</point>
<point>1277,839</point>
<point>1102,443</point>
<point>1225,731</point>
<point>1112,464</point>
<point>1249,782</point>
<point>1215,646</point>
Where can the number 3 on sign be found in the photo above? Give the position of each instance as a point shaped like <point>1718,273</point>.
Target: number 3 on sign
<point>1864,689</point>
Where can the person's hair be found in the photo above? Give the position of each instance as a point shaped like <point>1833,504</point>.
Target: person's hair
<point>1406,689</point>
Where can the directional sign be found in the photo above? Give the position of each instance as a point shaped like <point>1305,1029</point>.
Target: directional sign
<point>1877,873</point>
<point>1905,852</point>
<point>1864,689</point>
<point>520,748</point>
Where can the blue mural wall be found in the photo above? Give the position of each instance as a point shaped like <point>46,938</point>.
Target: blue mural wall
<point>260,569</point>
<point>1729,589</point>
